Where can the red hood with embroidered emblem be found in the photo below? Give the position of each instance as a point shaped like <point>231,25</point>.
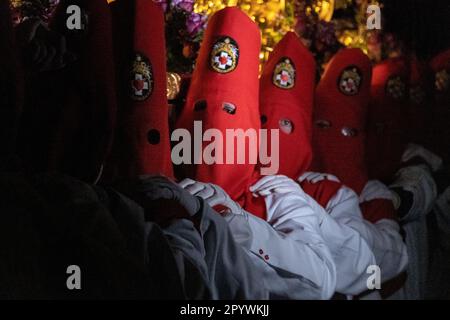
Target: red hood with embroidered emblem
<point>339,131</point>
<point>142,137</point>
<point>223,95</point>
<point>387,123</point>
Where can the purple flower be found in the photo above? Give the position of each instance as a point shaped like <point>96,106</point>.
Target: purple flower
<point>194,23</point>
<point>325,33</point>
<point>162,4</point>
<point>186,5</point>
<point>47,15</point>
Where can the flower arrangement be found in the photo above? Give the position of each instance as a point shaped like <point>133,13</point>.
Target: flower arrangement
<point>23,9</point>
<point>184,32</point>
<point>317,34</point>
<point>184,27</point>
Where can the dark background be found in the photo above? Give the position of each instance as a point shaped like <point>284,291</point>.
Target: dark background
<point>424,25</point>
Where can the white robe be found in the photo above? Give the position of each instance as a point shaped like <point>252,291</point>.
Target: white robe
<point>383,237</point>
<point>439,268</point>
<point>351,253</point>
<point>288,248</point>
<point>418,181</point>
<point>230,274</point>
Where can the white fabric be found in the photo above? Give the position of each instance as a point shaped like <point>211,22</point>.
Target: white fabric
<point>382,237</point>
<point>231,271</point>
<point>442,210</point>
<point>212,250</point>
<point>275,184</point>
<point>290,252</point>
<point>351,253</point>
<point>295,261</point>
<point>418,181</point>
<point>212,194</point>
<point>373,190</point>
<point>314,177</point>
<point>439,268</point>
<point>415,150</point>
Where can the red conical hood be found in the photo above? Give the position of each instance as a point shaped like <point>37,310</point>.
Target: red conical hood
<point>440,66</point>
<point>419,108</point>
<point>387,118</point>
<point>339,133</point>
<point>286,103</point>
<point>224,95</point>
<point>142,142</point>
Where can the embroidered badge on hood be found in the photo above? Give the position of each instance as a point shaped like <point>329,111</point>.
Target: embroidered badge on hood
<point>350,81</point>
<point>284,74</point>
<point>396,88</point>
<point>224,55</point>
<point>141,78</point>
<point>442,82</point>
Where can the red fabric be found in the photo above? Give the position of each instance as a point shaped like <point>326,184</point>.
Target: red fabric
<point>143,142</point>
<point>378,209</point>
<point>321,191</point>
<point>441,61</point>
<point>387,120</point>
<point>419,110</point>
<point>238,86</point>
<point>292,100</point>
<point>256,206</point>
<point>334,153</point>
<point>294,104</point>
<point>441,110</point>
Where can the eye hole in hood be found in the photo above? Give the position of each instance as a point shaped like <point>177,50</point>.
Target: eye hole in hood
<point>263,119</point>
<point>229,108</point>
<point>286,126</point>
<point>200,105</point>
<point>323,124</point>
<point>349,132</point>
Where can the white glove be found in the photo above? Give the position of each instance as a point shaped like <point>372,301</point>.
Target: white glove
<point>275,184</point>
<point>314,177</point>
<point>212,194</point>
<point>418,181</point>
<point>415,150</point>
<point>375,189</point>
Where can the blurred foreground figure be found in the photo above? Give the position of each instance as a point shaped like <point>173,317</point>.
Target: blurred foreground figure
<point>51,221</point>
<point>19,241</point>
<point>55,221</point>
<point>71,104</point>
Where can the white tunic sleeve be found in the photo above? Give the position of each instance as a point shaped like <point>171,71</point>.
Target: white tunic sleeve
<point>418,181</point>
<point>352,255</point>
<point>382,237</point>
<point>289,248</point>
